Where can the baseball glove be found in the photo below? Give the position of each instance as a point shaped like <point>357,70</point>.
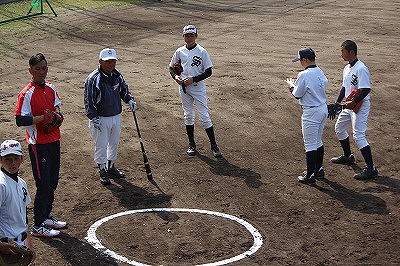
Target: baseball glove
<point>334,109</point>
<point>52,120</point>
<point>178,69</point>
<point>353,94</point>
<point>22,257</point>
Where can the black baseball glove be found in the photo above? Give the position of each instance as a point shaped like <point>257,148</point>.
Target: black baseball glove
<point>333,110</point>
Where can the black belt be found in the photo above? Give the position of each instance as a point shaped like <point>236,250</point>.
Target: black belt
<point>23,237</point>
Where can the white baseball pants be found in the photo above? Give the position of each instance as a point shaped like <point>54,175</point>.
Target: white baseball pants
<point>312,126</point>
<point>195,97</point>
<point>106,141</point>
<point>358,121</point>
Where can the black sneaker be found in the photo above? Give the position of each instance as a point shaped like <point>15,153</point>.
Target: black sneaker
<point>319,174</point>
<point>342,159</point>
<point>104,179</point>
<point>306,179</point>
<point>113,172</point>
<point>367,173</point>
<point>191,151</point>
<point>215,150</point>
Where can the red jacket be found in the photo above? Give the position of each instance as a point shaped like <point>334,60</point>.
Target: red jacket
<point>32,101</point>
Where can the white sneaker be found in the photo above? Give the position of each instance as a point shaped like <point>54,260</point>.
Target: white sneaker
<point>44,231</point>
<point>54,223</point>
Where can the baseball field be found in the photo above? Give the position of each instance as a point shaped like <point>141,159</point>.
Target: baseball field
<point>204,203</point>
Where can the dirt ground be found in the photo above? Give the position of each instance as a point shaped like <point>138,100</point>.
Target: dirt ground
<point>339,221</point>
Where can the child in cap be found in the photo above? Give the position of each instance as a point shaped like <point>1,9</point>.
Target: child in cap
<point>14,199</point>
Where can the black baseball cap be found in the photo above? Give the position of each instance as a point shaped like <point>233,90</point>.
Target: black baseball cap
<point>306,52</point>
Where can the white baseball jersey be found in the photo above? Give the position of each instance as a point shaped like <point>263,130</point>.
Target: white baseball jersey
<point>356,77</point>
<point>194,62</point>
<point>310,87</point>
<point>14,198</point>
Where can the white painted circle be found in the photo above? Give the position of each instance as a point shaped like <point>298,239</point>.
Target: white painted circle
<point>95,242</point>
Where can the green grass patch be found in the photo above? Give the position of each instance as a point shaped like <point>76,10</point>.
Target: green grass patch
<point>22,8</point>
<point>16,31</point>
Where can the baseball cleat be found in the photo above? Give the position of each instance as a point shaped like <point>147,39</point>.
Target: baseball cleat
<point>306,179</point>
<point>113,172</point>
<point>104,179</point>
<point>216,152</point>
<point>54,223</point>
<point>342,159</point>
<point>44,231</point>
<point>191,151</point>
<point>367,173</point>
<point>319,174</point>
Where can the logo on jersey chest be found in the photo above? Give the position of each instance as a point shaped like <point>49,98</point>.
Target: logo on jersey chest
<point>354,80</point>
<point>25,193</point>
<point>196,61</point>
<point>116,86</point>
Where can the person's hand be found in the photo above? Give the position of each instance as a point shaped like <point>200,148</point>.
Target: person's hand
<point>132,105</point>
<point>96,123</point>
<point>188,81</point>
<point>178,79</point>
<point>290,82</point>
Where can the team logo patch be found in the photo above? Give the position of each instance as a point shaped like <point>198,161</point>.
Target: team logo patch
<point>116,86</point>
<point>196,61</point>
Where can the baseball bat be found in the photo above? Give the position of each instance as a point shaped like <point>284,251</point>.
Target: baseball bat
<point>145,159</point>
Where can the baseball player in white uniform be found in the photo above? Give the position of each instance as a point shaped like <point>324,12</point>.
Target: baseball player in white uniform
<point>14,198</point>
<point>310,90</point>
<point>197,66</point>
<point>355,77</point>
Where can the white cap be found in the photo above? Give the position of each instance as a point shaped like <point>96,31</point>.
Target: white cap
<point>10,147</point>
<point>107,54</point>
<point>189,29</point>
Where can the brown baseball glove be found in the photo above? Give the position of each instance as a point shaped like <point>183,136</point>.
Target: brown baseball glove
<point>52,120</point>
<point>353,94</point>
<point>23,256</point>
<point>178,69</point>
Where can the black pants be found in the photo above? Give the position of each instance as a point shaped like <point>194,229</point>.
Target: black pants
<point>45,161</point>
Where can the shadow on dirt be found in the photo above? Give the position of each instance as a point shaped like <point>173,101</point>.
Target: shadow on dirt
<point>77,252</point>
<point>385,184</point>
<point>361,202</point>
<point>222,167</point>
<point>133,197</point>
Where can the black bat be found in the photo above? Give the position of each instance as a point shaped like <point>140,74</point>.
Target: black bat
<point>145,160</point>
